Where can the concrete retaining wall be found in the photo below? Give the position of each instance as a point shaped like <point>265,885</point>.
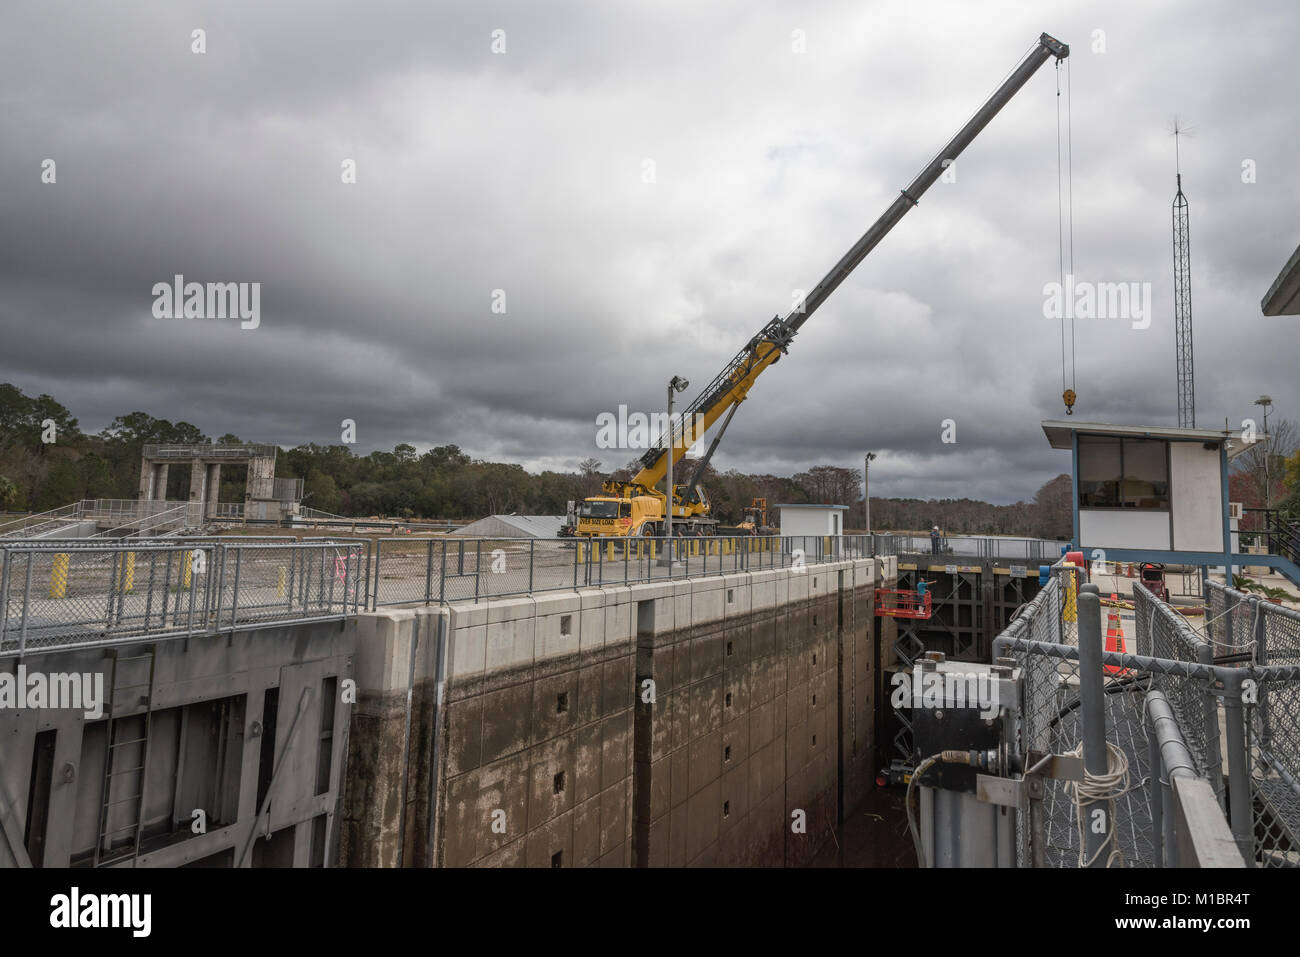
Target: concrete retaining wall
<point>727,720</point>
<point>212,748</point>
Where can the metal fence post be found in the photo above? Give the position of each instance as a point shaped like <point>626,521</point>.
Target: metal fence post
<point>1239,796</point>
<point>234,597</point>
<point>6,558</point>
<point>1260,629</point>
<point>27,597</point>
<point>1157,790</point>
<point>428,573</point>
<point>532,554</point>
<point>442,576</point>
<point>1096,754</point>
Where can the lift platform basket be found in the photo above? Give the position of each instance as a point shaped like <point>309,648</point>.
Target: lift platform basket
<point>902,603</point>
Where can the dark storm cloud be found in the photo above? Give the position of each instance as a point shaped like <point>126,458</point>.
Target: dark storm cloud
<point>523,172</point>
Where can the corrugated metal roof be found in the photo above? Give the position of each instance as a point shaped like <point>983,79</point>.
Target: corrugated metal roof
<point>510,526</point>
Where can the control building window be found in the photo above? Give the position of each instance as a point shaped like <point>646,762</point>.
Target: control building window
<point>1123,473</point>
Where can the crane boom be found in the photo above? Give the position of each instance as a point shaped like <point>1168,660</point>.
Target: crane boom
<point>731,386</point>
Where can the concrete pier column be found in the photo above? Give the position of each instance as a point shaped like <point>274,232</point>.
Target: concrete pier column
<point>148,473</point>
<point>214,489</point>
<point>160,483</point>
<point>197,480</point>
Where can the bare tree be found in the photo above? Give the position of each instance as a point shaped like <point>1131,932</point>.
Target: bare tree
<point>1267,457</point>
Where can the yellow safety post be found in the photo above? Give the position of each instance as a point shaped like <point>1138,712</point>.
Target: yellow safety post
<point>654,544</point>
<point>1071,610</point>
<point>128,573</point>
<point>59,576</point>
<point>185,576</point>
<point>279,587</point>
<point>582,555</point>
<point>610,552</point>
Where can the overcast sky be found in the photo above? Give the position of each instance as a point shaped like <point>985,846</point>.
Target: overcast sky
<point>778,132</point>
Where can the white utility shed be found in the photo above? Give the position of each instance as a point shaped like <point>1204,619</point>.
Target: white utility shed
<point>812,519</point>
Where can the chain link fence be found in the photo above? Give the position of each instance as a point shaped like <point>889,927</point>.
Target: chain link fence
<point>1239,624</point>
<point>1232,721</point>
<point>85,593</point>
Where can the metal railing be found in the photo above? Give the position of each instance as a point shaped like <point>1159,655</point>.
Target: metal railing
<point>247,450</point>
<point>1238,725</point>
<point>1035,551</point>
<point>55,596</point>
<point>287,489</point>
<point>442,569</point>
<point>1278,535</point>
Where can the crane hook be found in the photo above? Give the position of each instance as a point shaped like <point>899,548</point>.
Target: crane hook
<point>1068,396</point>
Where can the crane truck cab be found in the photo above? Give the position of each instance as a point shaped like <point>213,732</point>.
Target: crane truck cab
<point>617,516</point>
<point>632,513</point>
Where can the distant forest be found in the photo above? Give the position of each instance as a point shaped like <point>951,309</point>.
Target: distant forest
<point>37,474</point>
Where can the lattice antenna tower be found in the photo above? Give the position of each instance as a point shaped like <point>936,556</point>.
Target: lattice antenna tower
<point>1183,295</point>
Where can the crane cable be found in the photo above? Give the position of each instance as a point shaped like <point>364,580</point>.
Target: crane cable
<point>1064,197</point>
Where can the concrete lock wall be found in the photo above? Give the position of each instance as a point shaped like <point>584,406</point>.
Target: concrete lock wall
<point>726,720</point>
<point>236,723</point>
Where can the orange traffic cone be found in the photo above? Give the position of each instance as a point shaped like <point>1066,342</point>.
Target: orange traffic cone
<point>1115,641</point>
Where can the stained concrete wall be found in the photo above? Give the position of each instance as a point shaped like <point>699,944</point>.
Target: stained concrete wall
<point>762,729</point>
<point>662,724</point>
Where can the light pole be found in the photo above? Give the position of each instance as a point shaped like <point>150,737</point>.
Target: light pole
<point>676,384</point>
<point>866,491</point>
<point>1266,401</point>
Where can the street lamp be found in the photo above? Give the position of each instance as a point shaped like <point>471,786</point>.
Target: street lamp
<point>1266,402</point>
<point>676,384</point>
<point>866,491</point>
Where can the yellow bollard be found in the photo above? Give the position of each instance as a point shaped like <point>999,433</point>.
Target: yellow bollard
<point>653,545</point>
<point>609,552</point>
<point>128,573</point>
<point>186,561</point>
<point>59,576</point>
<point>279,588</point>
<point>1071,610</point>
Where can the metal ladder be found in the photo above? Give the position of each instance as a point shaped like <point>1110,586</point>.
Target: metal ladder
<point>104,850</point>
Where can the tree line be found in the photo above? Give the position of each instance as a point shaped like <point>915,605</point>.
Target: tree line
<point>47,461</point>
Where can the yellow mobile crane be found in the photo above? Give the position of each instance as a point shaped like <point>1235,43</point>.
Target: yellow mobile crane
<point>637,506</point>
